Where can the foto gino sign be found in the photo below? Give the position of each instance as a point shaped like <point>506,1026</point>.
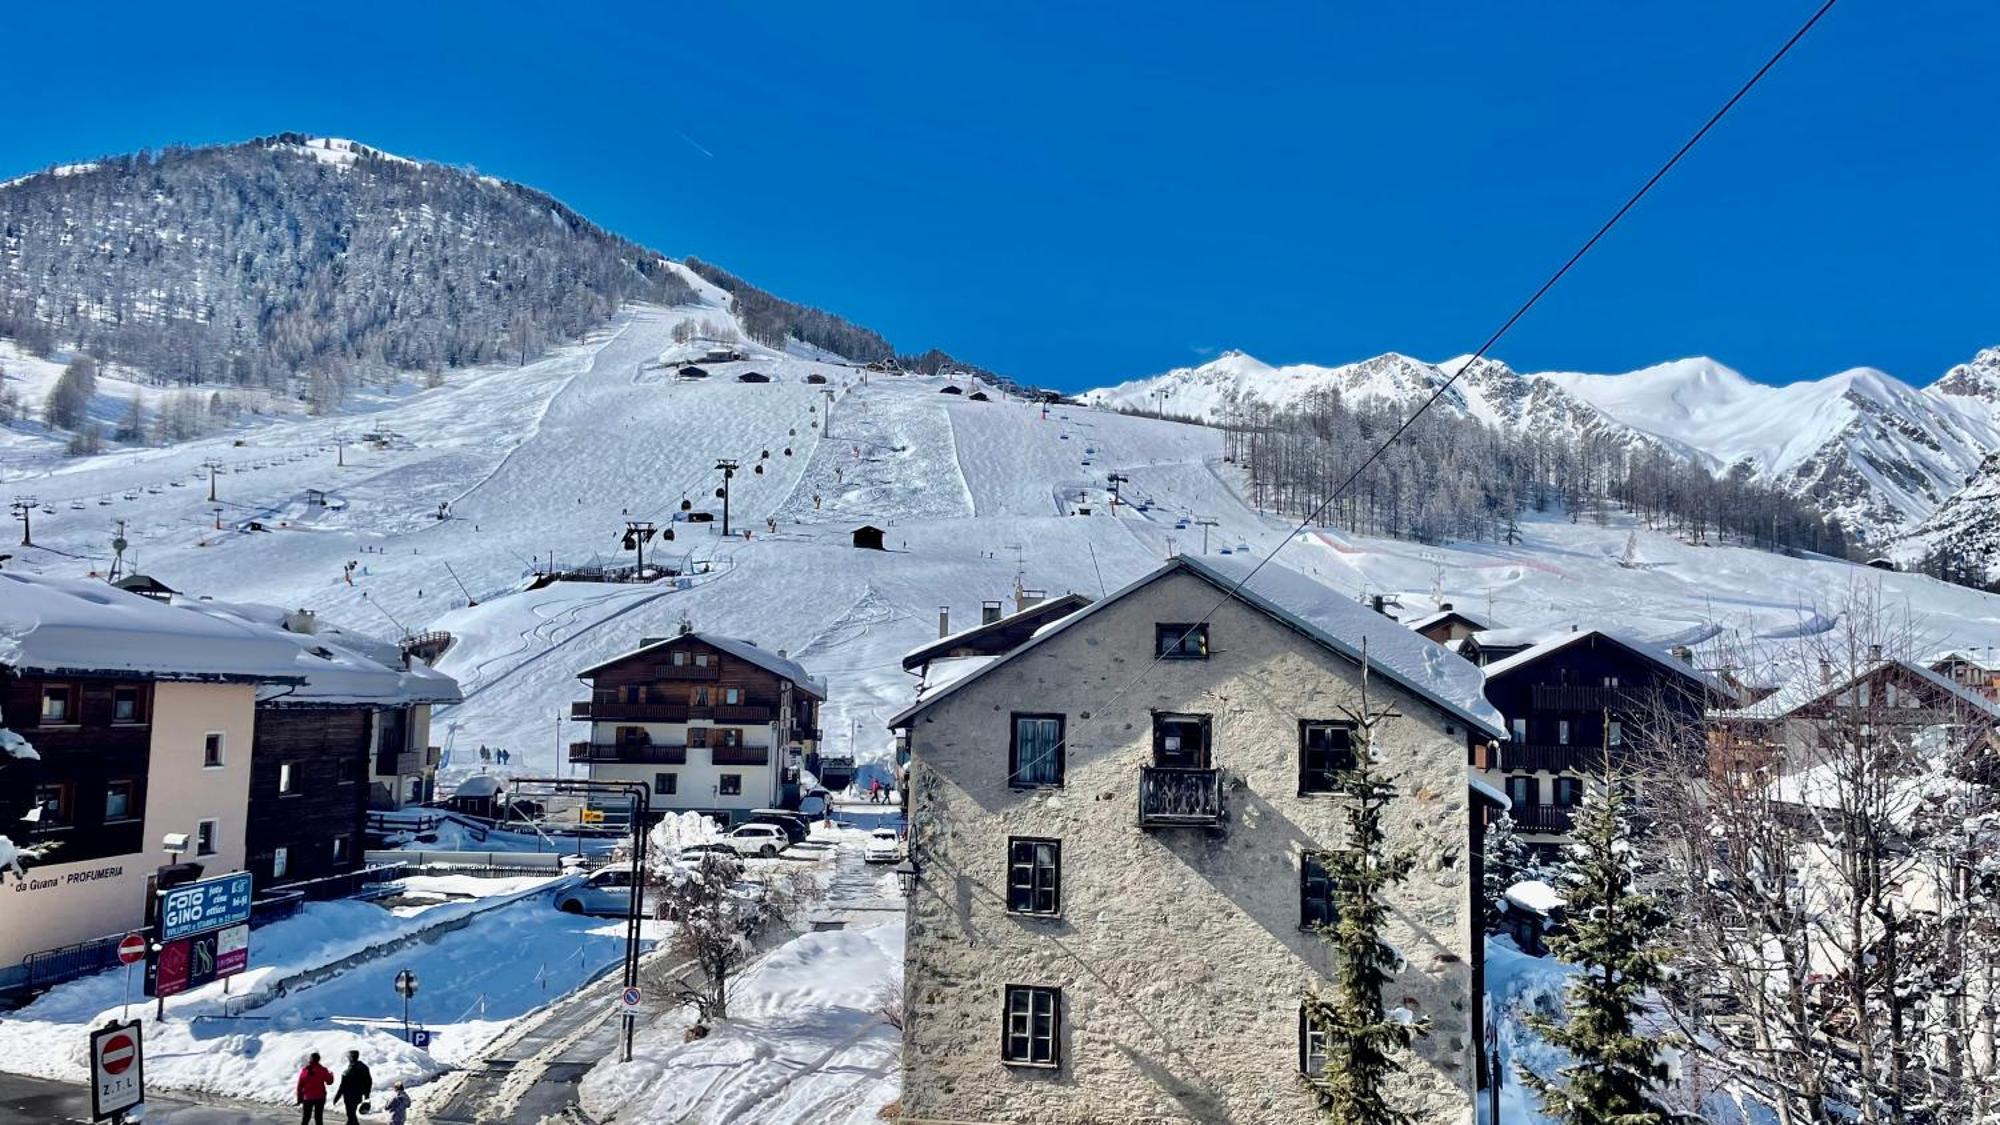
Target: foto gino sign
<point>211,904</point>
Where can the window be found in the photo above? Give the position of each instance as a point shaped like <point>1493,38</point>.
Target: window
<point>340,846</point>
<point>1312,1045</point>
<point>1522,789</point>
<point>1520,728</point>
<point>666,784</point>
<point>281,862</point>
<point>1034,876</point>
<point>211,750</point>
<point>1181,642</point>
<point>124,705</point>
<point>206,834</point>
<point>288,779</point>
<point>732,696</point>
<point>121,800</point>
<point>1180,741</point>
<point>1316,893</point>
<point>631,693</point>
<point>346,771</point>
<point>1325,750</point>
<point>55,706</point>
<point>698,695</point>
<point>52,807</point>
<point>631,736</point>
<point>730,785</point>
<point>680,658</point>
<point>731,737</point>
<point>1030,1036</point>
<point>701,660</point>
<point>698,736</point>
<point>1568,792</point>
<point>1035,753</point>
<point>1614,733</point>
<point>1611,681</point>
<point>1562,732</point>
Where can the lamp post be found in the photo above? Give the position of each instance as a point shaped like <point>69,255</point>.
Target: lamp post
<point>406,987</point>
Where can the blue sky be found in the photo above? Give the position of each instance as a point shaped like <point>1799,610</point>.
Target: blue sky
<point>1084,193</point>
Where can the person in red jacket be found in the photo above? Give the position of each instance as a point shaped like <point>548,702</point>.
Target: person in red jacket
<point>313,1081</point>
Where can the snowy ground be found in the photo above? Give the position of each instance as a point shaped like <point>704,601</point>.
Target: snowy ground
<point>475,981</point>
<point>806,1042</point>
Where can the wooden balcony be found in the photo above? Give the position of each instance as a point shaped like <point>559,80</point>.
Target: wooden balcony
<point>1581,697</point>
<point>639,753</point>
<point>1543,819</point>
<point>1170,798</point>
<point>617,711</point>
<point>1518,756</point>
<point>740,755</point>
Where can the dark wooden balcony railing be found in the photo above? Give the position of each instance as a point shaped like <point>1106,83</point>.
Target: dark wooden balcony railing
<point>1543,818</point>
<point>672,712</point>
<point>1554,759</point>
<point>650,753</point>
<point>1580,697</point>
<point>1169,797</point>
<point>740,755</point>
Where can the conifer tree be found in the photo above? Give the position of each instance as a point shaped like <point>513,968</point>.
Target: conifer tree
<point>1362,1039</point>
<point>1505,862</point>
<point>1611,934</point>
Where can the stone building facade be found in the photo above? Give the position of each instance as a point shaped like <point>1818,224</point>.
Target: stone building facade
<point>1130,943</point>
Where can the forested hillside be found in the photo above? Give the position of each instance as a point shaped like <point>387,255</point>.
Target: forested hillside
<point>260,262</point>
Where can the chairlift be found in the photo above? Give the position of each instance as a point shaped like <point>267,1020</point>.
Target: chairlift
<point>685,504</point>
<point>720,493</point>
<point>48,509</point>
<point>788,451</point>
<point>177,484</point>
<point>76,505</point>
<point>760,470</point>
<point>104,501</point>
<point>131,496</point>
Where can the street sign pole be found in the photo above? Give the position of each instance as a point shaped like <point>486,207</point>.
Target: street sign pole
<point>406,987</point>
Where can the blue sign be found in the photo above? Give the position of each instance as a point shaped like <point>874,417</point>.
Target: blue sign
<point>420,1039</point>
<point>211,904</point>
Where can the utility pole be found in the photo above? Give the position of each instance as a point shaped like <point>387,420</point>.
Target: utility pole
<point>118,545</point>
<point>637,534</point>
<point>213,466</point>
<point>24,510</point>
<point>1116,479</point>
<point>826,420</point>
<point>1204,522</point>
<point>728,469</point>
<point>340,451</point>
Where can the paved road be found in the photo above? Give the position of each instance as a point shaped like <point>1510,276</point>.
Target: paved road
<point>26,1099</point>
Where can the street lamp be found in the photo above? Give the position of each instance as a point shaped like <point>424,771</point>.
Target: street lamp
<point>909,874</point>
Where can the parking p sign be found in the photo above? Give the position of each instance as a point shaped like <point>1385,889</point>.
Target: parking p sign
<point>117,1070</point>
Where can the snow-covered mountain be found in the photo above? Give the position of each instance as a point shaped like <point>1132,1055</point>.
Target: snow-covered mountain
<point>1862,446</point>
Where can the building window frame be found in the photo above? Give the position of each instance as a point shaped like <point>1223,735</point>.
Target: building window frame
<point>666,783</point>
<point>1318,905</point>
<point>134,809</point>
<point>343,846</point>
<point>1202,729</point>
<point>1533,786</point>
<point>732,696</point>
<point>1324,777</point>
<point>1312,1045</point>
<point>1051,762</point>
<point>346,771</point>
<point>281,862</point>
<point>214,749</point>
<point>1034,876</point>
<point>1031,1026</point>
<point>698,738</point>
<point>1566,792</point>
<point>207,836</point>
<point>288,779</point>
<point>64,795</point>
<point>1180,640</point>
<point>127,707</point>
<point>729,785</point>
<point>66,712</point>
<point>1562,732</point>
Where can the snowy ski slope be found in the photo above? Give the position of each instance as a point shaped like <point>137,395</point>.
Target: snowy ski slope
<point>553,457</point>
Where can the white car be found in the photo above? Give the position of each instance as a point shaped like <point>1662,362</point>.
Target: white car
<point>765,840</point>
<point>883,846</point>
<point>608,890</point>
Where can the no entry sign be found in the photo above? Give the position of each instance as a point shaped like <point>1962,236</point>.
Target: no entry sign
<point>117,1070</point>
<point>132,950</point>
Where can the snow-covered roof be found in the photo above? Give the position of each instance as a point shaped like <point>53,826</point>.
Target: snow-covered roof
<point>1418,625</point>
<point>1810,687</point>
<point>71,626</point>
<point>1320,613</point>
<point>14,746</point>
<point>478,785</point>
<point>339,667</point>
<point>1486,790</point>
<point>1654,653</point>
<point>1521,635</point>
<point>1052,608</point>
<point>942,673</point>
<point>1535,896</point>
<point>742,650</point>
<point>1989,662</point>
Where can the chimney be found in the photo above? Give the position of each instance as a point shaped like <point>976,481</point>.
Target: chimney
<point>1376,602</point>
<point>1444,607</point>
<point>301,621</point>
<point>989,612</point>
<point>1874,652</point>
<point>1826,671</point>
<point>944,621</point>
<point>1684,654</point>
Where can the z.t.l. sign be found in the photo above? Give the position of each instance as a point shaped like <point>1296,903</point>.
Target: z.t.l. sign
<point>117,1069</point>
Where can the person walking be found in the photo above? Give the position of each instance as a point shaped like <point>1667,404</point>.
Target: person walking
<point>398,1106</point>
<point>311,1091</point>
<point>355,1086</point>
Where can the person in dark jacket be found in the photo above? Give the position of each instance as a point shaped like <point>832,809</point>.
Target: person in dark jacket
<point>311,1091</point>
<point>355,1086</point>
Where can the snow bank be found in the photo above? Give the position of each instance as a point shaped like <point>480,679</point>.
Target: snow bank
<point>14,746</point>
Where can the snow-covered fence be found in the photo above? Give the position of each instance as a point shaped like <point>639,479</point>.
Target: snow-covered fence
<point>473,863</point>
<point>349,883</point>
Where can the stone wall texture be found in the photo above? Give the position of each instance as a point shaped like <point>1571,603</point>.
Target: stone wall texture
<point>1178,950</point>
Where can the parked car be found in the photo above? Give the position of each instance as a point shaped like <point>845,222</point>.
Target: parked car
<point>765,840</point>
<point>696,851</point>
<point>795,826</point>
<point>883,846</point>
<point>608,890</point>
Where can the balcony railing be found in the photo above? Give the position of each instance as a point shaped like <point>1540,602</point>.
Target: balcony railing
<point>740,755</point>
<point>1543,818</point>
<point>671,712</point>
<point>652,753</point>
<point>1580,697</point>
<point>1554,759</point>
<point>1169,797</point>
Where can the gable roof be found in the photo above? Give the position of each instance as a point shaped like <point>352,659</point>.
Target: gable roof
<point>65,625</point>
<point>742,650</point>
<point>1808,688</point>
<point>1037,615</point>
<point>1654,653</point>
<point>1311,609</point>
<point>1990,662</point>
<point>1478,624</point>
<point>339,668</point>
